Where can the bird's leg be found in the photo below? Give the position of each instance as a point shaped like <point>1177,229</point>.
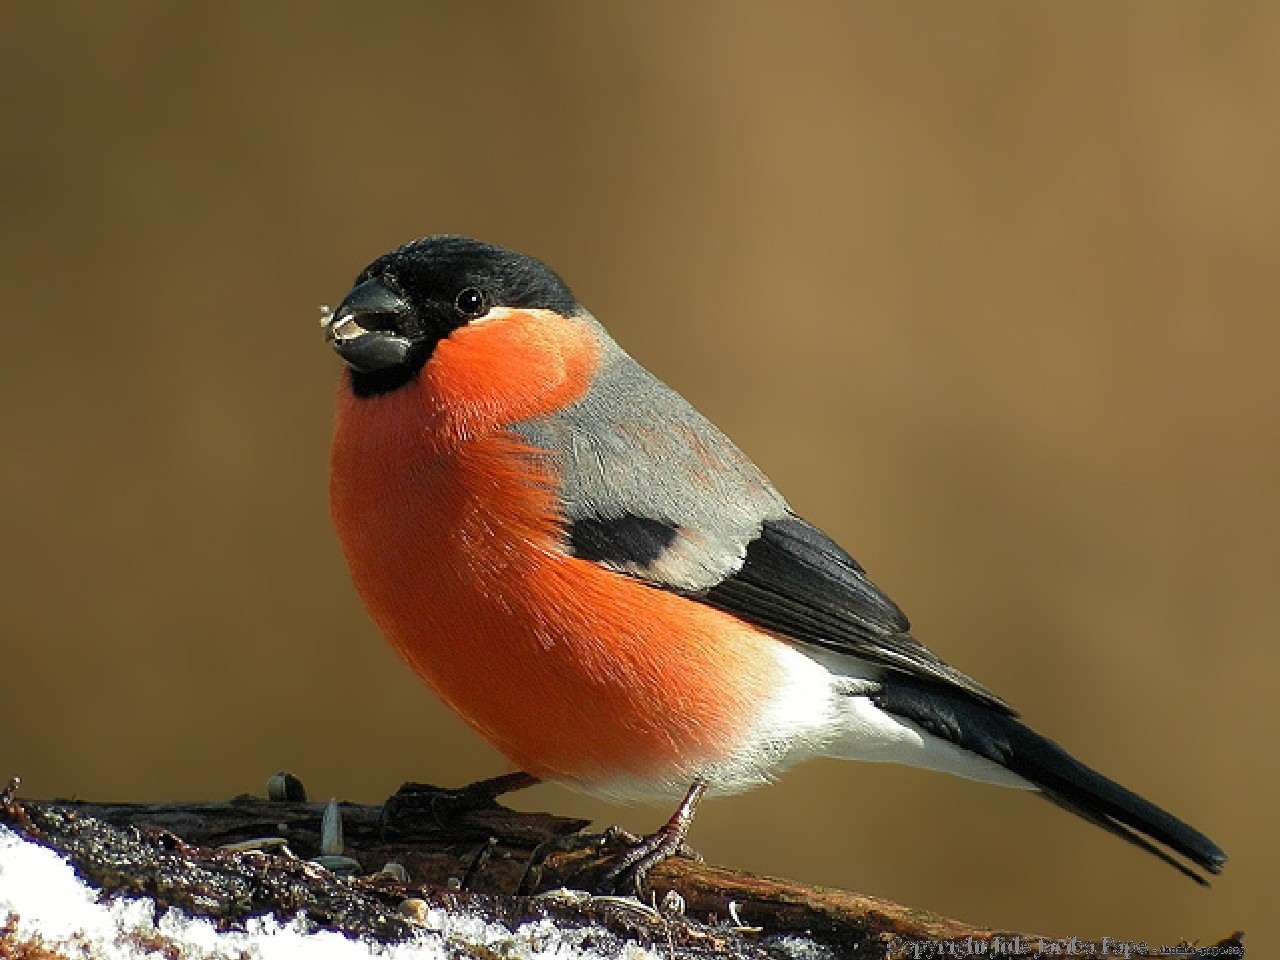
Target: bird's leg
<point>628,873</point>
<point>484,792</point>
<point>442,805</point>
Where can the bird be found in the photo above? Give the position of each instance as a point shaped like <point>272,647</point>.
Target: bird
<point>601,584</point>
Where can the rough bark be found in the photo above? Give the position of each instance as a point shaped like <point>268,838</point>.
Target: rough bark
<point>473,859</point>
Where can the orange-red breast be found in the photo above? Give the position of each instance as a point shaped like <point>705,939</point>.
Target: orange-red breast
<point>599,582</point>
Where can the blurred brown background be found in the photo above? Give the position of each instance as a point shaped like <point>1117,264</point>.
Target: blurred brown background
<point>990,290</point>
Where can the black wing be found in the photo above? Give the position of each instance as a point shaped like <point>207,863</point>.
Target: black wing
<point>795,581</point>
<point>798,582</point>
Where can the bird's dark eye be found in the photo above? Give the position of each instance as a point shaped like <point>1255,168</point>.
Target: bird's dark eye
<point>471,302</point>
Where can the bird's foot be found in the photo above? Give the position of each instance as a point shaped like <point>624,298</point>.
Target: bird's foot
<point>626,873</point>
<point>638,855</point>
<point>617,838</point>
<point>633,858</point>
<point>418,801</point>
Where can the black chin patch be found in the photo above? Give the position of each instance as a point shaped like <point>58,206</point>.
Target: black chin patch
<point>374,383</point>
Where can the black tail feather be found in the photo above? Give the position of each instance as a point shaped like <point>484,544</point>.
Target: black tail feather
<point>1061,778</point>
<point>1131,836</point>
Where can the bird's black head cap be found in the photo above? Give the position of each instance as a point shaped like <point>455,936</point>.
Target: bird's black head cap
<point>408,300</point>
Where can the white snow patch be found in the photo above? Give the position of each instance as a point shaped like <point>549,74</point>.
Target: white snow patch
<point>42,896</point>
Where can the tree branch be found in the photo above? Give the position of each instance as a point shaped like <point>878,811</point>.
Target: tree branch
<point>176,854</point>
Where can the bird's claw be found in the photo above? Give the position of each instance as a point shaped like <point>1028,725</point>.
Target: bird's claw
<point>419,801</point>
<point>441,806</point>
<point>634,857</point>
<point>641,854</point>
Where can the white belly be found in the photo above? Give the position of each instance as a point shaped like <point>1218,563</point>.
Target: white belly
<point>821,708</point>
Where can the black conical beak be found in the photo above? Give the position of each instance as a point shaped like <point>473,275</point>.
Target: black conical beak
<point>362,329</point>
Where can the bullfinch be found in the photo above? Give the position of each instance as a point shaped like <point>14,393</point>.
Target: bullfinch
<point>608,590</point>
